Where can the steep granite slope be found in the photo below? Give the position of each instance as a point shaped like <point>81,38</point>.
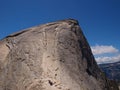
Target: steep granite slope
<point>53,56</point>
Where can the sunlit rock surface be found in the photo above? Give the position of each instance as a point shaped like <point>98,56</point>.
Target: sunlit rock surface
<point>53,56</point>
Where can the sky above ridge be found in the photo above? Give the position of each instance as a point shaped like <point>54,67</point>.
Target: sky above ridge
<point>99,20</point>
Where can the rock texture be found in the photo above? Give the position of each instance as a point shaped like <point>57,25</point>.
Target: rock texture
<point>53,56</point>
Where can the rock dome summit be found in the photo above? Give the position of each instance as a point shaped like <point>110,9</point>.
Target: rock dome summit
<point>52,56</point>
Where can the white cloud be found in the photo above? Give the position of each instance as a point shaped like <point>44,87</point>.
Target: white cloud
<point>102,53</point>
<point>103,49</point>
<point>107,59</point>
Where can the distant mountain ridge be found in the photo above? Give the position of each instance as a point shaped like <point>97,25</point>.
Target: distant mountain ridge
<point>112,70</point>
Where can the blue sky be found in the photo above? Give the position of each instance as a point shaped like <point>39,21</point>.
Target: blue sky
<point>99,19</point>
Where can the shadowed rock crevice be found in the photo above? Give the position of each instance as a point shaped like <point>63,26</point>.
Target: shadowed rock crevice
<point>52,56</point>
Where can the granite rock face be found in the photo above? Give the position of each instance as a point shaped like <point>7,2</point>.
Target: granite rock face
<point>53,56</point>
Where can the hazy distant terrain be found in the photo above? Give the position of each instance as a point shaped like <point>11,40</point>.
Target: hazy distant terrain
<point>112,70</point>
